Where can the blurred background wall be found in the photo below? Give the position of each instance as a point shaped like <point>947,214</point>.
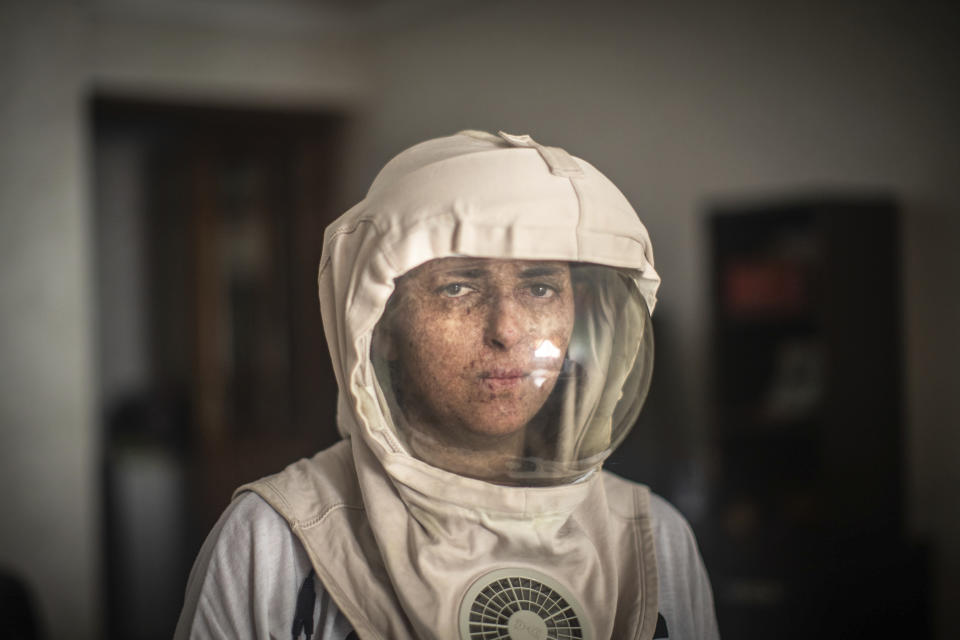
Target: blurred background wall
<point>681,104</point>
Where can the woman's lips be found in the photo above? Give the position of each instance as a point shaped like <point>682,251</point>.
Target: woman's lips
<point>502,379</point>
<point>504,373</point>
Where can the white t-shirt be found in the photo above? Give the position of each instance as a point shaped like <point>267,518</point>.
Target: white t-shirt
<point>245,581</point>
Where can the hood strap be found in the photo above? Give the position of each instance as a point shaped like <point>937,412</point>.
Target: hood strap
<point>560,162</point>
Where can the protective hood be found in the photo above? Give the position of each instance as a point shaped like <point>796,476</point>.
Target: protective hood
<point>443,536</point>
<point>478,195</point>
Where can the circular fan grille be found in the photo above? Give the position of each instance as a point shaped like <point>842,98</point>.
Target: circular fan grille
<point>519,605</point>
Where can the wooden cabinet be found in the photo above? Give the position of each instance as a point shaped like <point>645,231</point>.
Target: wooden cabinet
<point>806,531</point>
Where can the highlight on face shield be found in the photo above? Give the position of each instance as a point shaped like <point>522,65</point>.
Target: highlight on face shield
<point>513,371</point>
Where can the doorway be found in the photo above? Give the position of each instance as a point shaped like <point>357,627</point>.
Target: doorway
<point>213,370</point>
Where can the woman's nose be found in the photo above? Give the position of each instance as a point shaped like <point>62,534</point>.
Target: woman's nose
<point>504,323</point>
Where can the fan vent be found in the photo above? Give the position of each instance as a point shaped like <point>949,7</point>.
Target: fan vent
<point>520,604</point>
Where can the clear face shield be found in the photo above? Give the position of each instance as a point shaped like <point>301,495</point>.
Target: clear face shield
<point>517,372</point>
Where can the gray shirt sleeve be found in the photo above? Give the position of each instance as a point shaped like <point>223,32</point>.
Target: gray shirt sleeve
<point>245,581</point>
<point>686,598</point>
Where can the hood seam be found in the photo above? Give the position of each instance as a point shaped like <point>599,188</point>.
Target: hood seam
<point>319,518</point>
<point>576,192</point>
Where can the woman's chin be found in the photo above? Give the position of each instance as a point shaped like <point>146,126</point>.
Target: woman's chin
<point>495,430</point>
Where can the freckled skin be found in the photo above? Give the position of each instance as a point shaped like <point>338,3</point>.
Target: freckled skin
<point>476,346</point>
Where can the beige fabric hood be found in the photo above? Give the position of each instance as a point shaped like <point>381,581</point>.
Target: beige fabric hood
<point>472,194</point>
<point>479,195</point>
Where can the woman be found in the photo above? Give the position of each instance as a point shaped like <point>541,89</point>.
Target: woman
<point>486,307</point>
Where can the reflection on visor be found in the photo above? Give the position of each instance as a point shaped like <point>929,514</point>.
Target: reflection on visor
<point>513,371</point>
<point>546,351</point>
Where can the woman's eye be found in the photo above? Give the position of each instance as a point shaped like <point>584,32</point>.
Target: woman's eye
<point>542,291</point>
<point>454,290</point>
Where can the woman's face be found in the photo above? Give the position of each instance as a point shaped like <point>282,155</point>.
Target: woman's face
<point>476,345</point>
